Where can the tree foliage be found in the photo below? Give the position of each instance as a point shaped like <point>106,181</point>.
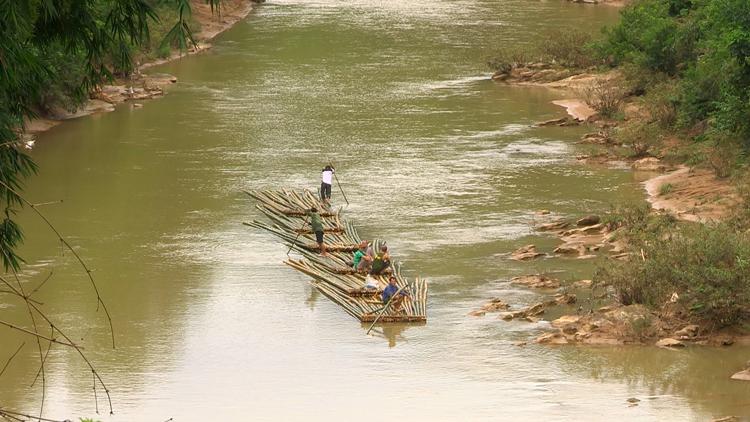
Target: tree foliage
<point>703,46</point>
<point>54,52</point>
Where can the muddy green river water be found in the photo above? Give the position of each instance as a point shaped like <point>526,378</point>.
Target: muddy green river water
<point>434,157</point>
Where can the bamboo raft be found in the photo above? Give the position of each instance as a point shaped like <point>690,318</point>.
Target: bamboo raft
<point>333,274</point>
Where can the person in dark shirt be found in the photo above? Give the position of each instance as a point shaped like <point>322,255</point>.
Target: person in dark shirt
<point>382,262</point>
<point>317,228</point>
<point>390,290</point>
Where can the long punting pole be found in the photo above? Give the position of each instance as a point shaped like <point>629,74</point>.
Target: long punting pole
<point>304,223</point>
<point>338,183</point>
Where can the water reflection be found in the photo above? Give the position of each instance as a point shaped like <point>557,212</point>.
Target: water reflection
<point>313,298</point>
<point>700,374</point>
<point>391,332</point>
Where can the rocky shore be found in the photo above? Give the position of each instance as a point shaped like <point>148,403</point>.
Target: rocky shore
<point>613,324</point>
<point>689,194</point>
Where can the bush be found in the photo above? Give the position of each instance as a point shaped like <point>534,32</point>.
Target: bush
<point>570,48</point>
<point>605,96</point>
<point>703,46</point>
<point>640,137</point>
<point>64,80</point>
<point>708,266</point>
<point>661,101</point>
<point>724,158</point>
<point>650,37</point>
<point>505,60</point>
<point>740,219</point>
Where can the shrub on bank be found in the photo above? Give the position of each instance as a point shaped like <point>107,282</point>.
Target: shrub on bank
<point>507,59</point>
<point>570,48</point>
<point>640,137</point>
<point>706,266</point>
<point>650,36</point>
<point>605,96</point>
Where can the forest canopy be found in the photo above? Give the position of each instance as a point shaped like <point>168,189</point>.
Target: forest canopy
<point>700,51</point>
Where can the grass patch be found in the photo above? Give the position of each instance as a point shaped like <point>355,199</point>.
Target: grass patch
<point>665,189</point>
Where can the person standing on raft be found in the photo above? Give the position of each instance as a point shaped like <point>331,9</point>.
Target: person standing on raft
<point>317,228</point>
<point>325,184</point>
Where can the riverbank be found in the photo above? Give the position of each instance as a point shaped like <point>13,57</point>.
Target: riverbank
<point>586,312</point>
<point>690,193</point>
<point>602,100</point>
<point>139,87</point>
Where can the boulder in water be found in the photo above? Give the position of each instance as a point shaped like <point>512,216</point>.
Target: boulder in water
<point>688,332</point>
<point>649,164</point>
<point>670,343</point>
<point>536,281</point>
<point>570,249</point>
<point>588,220</point>
<point>565,320</point>
<point>553,226</point>
<point>582,284</point>
<point>552,338</point>
<point>526,253</point>
<point>742,375</point>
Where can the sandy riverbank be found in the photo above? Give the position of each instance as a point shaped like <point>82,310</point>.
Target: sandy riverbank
<point>692,194</point>
<point>142,87</point>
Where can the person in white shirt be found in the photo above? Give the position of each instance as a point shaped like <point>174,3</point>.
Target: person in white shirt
<point>325,185</point>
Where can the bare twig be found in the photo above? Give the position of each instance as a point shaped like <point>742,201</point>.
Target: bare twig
<point>44,360</point>
<point>28,304</point>
<point>48,203</point>
<point>14,294</point>
<point>41,284</point>
<point>78,349</point>
<point>31,333</point>
<point>99,300</point>
<point>18,416</point>
<point>11,358</point>
<point>33,308</point>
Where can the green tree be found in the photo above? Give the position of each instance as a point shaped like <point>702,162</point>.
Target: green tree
<point>703,47</point>
<point>79,44</point>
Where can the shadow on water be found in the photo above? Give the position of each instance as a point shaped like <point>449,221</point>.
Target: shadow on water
<point>699,374</point>
<point>391,332</point>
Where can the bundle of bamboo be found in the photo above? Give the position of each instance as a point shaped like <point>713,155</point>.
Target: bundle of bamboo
<point>333,274</point>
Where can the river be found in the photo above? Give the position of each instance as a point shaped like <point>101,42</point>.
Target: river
<point>434,157</point>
